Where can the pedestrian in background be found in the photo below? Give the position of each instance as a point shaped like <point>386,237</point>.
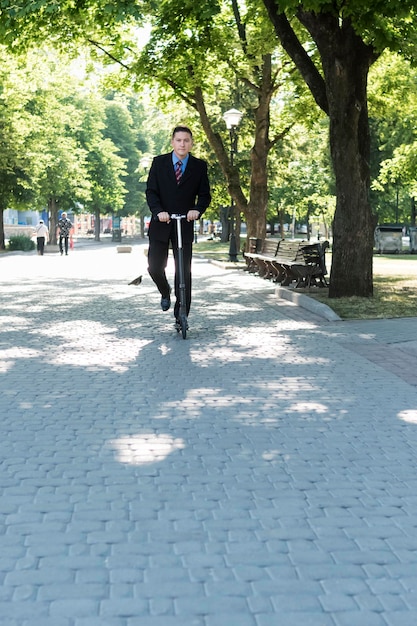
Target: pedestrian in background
<point>42,236</point>
<point>64,228</point>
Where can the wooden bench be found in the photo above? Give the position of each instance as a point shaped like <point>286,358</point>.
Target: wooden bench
<point>287,261</point>
<point>313,271</point>
<point>274,258</point>
<point>259,255</point>
<point>254,246</point>
<point>288,254</point>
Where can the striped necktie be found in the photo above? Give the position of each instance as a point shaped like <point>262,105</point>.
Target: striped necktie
<point>178,171</point>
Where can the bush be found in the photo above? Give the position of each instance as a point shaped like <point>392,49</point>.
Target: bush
<point>21,242</point>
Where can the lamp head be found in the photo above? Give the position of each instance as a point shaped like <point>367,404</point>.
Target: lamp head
<point>232,118</point>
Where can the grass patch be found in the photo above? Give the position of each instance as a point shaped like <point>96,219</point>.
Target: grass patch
<point>215,248</point>
<point>393,297</point>
<point>395,291</point>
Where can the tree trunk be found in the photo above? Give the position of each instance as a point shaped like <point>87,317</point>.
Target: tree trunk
<point>309,209</point>
<point>2,241</point>
<point>53,220</point>
<point>225,222</point>
<point>255,211</point>
<point>255,223</point>
<point>341,93</point>
<point>413,211</point>
<point>97,224</point>
<point>281,217</point>
<point>346,61</point>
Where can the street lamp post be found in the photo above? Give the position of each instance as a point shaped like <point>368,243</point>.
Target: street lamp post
<point>232,119</point>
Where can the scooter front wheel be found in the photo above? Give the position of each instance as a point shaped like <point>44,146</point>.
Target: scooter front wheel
<point>184,326</point>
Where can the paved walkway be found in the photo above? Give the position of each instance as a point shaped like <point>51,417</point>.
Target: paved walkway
<point>261,473</point>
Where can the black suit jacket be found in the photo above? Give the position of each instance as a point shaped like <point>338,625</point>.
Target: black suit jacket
<point>163,193</point>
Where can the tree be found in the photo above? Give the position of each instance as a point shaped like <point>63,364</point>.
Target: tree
<point>56,152</point>
<point>186,43</point>
<point>16,125</point>
<point>392,106</point>
<point>104,165</point>
<point>333,45</point>
<point>121,131</point>
<point>235,39</point>
<point>349,38</point>
<point>301,187</point>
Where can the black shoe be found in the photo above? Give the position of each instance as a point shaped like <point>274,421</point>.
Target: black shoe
<point>166,302</point>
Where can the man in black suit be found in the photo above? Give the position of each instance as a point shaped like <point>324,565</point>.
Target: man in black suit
<point>177,183</point>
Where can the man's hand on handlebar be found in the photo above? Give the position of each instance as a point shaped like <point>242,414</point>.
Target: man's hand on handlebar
<point>193,215</point>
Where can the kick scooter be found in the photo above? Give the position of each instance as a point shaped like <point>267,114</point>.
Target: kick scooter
<point>182,313</point>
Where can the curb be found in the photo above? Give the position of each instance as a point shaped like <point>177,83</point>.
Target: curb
<point>308,303</point>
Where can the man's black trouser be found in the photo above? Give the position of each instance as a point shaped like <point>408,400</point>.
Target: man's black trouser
<point>157,262</point>
<point>65,239</point>
<point>40,244</point>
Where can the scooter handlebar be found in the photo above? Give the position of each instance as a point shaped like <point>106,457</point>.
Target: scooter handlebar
<point>175,216</point>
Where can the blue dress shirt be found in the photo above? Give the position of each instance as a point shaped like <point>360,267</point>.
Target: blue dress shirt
<point>184,161</point>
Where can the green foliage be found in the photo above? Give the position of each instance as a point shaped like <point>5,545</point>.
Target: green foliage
<point>17,171</point>
<point>392,106</point>
<point>120,130</point>
<point>250,73</point>
<point>59,147</point>
<point>192,46</point>
<point>380,23</point>
<point>47,121</point>
<point>300,185</point>
<point>65,23</point>
<point>103,165</point>
<point>187,41</point>
<point>21,242</point>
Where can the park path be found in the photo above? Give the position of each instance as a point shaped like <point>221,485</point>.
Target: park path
<point>260,473</point>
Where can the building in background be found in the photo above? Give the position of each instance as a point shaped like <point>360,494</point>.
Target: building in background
<point>23,223</point>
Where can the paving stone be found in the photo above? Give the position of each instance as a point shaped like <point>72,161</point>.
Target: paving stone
<point>225,619</point>
<point>123,607</point>
<point>400,618</point>
<point>359,618</point>
<point>296,618</point>
<point>74,608</point>
<point>260,472</point>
